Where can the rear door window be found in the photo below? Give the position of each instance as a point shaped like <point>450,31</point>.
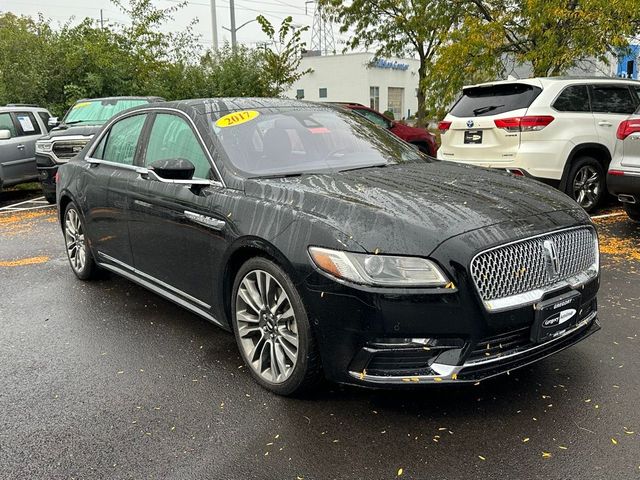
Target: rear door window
<point>574,98</point>
<point>494,99</point>
<point>122,141</point>
<point>612,99</point>
<point>373,117</point>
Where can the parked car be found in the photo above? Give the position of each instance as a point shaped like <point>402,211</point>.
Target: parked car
<point>623,177</point>
<point>558,130</point>
<point>20,126</point>
<point>420,137</point>
<point>329,246</point>
<point>70,136</point>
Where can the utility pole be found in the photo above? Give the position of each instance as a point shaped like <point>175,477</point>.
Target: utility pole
<point>232,11</point>
<point>214,25</point>
<point>101,20</point>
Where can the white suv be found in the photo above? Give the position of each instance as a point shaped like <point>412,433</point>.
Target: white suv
<point>623,178</point>
<point>561,130</point>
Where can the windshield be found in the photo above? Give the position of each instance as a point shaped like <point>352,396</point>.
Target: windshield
<point>97,112</point>
<point>313,140</point>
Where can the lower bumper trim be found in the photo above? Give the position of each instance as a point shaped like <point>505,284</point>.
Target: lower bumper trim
<point>478,370</point>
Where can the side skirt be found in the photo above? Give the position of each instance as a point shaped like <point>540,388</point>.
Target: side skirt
<point>136,278</point>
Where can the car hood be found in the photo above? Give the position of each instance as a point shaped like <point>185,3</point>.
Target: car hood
<point>413,208</point>
<point>75,130</point>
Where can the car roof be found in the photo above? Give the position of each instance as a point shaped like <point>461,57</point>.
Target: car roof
<point>150,98</point>
<point>21,108</point>
<point>231,104</point>
<point>541,81</point>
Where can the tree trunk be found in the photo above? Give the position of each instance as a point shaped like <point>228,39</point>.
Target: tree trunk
<point>421,116</point>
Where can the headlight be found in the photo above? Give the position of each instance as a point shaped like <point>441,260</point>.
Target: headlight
<point>44,147</point>
<point>378,270</point>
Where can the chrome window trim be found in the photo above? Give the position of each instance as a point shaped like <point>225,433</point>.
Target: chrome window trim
<point>148,110</point>
<point>533,296</point>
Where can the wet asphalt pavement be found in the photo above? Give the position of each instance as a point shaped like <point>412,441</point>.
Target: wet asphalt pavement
<point>106,380</point>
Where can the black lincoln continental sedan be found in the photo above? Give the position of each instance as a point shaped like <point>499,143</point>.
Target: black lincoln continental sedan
<point>328,246</point>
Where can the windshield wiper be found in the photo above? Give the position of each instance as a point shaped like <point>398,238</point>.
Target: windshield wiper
<point>488,108</point>
<point>377,165</point>
<point>278,175</point>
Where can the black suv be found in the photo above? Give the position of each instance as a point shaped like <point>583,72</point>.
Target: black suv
<point>70,136</point>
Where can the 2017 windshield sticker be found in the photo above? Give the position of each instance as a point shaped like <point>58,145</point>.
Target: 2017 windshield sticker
<point>236,118</point>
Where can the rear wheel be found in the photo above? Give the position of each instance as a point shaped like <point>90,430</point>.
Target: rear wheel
<point>75,239</point>
<point>633,211</point>
<point>586,183</point>
<point>272,329</point>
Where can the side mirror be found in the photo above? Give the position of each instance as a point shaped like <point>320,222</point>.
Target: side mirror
<point>173,169</point>
<point>53,122</point>
<point>5,134</point>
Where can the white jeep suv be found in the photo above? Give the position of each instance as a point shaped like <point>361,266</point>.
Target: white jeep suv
<point>559,130</point>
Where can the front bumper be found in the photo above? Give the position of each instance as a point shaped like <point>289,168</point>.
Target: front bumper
<point>47,169</point>
<point>370,338</point>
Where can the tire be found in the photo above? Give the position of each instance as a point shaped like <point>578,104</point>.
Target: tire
<point>633,211</point>
<point>586,183</point>
<point>76,244</point>
<point>50,197</point>
<point>266,334</point>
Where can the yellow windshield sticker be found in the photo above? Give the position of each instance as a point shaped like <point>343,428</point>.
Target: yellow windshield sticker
<point>236,118</point>
<point>82,105</point>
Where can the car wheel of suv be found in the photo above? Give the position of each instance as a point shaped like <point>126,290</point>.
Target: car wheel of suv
<point>75,239</point>
<point>586,182</point>
<point>272,329</point>
<point>633,211</point>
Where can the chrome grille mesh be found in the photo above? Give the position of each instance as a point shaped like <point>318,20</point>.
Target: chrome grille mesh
<point>522,267</point>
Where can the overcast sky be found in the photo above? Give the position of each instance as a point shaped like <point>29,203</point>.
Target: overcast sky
<point>59,11</point>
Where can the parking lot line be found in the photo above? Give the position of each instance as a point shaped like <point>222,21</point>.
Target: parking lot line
<point>607,215</point>
<point>16,207</point>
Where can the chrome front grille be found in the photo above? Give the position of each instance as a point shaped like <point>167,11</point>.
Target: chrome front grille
<point>67,149</point>
<point>528,265</point>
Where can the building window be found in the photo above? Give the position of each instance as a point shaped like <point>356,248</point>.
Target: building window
<point>396,102</point>
<point>300,94</point>
<point>374,98</point>
<point>322,93</point>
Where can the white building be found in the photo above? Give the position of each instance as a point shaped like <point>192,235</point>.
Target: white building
<point>381,83</point>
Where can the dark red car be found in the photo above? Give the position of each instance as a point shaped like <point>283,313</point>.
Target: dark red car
<point>419,137</point>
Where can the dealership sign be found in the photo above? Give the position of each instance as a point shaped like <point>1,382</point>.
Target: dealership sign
<point>384,63</point>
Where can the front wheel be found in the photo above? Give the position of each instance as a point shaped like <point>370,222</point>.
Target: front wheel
<point>75,239</point>
<point>272,329</point>
<point>586,183</point>
<point>633,211</point>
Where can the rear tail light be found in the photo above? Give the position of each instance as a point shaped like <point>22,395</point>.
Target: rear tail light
<point>56,177</point>
<point>524,124</point>
<point>444,126</point>
<point>627,127</point>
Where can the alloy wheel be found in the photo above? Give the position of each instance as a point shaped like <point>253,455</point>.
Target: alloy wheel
<point>267,326</point>
<point>75,241</point>
<point>586,186</point>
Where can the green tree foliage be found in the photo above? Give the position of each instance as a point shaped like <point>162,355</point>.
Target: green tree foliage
<point>550,37</point>
<point>282,59</point>
<point>416,28</point>
<point>54,68</point>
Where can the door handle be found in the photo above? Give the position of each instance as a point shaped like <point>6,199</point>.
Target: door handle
<point>604,123</point>
<point>20,147</point>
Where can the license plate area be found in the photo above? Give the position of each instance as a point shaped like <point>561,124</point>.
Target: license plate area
<point>473,136</point>
<point>555,315</point>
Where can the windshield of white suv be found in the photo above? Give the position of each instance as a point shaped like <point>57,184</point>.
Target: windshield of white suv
<point>97,112</point>
<point>296,141</point>
<point>494,99</point>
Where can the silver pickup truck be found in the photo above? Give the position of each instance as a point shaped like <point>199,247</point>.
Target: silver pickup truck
<point>20,127</point>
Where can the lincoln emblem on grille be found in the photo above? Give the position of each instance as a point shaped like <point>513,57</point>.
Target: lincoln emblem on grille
<point>551,257</point>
